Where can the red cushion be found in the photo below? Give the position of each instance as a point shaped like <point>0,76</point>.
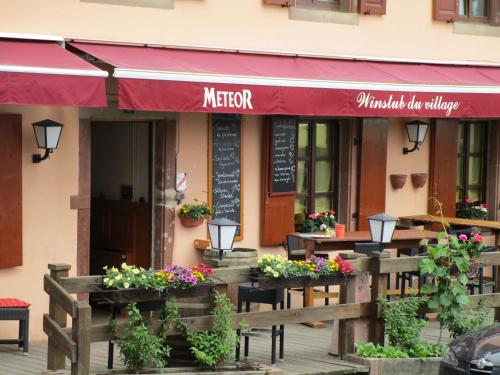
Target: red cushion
<point>13,302</point>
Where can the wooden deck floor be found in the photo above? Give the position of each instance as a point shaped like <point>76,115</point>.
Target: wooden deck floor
<point>306,353</point>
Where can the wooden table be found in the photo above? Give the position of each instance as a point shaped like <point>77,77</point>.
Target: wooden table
<point>429,220</point>
<point>401,239</point>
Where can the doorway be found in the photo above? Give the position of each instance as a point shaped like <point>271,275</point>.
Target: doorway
<point>121,195</point>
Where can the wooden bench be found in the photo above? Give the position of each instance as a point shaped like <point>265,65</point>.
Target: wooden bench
<point>15,309</point>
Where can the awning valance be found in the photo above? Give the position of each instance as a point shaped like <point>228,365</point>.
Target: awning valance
<point>44,73</point>
<point>152,78</point>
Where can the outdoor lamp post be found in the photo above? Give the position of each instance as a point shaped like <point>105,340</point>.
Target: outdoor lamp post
<point>416,133</point>
<point>382,228</point>
<point>47,134</point>
<point>222,233</point>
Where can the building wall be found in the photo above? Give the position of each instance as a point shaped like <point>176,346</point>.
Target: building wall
<point>49,226</point>
<point>407,30</point>
<point>408,200</point>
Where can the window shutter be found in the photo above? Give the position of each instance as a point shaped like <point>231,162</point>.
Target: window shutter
<point>443,180</point>
<point>283,3</point>
<point>372,6</point>
<point>446,10</point>
<point>11,248</point>
<point>494,12</point>
<point>372,169</point>
<point>277,212</point>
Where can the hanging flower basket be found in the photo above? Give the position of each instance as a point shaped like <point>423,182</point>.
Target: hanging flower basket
<point>189,222</point>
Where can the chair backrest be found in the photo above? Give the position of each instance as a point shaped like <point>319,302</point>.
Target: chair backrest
<point>292,243</point>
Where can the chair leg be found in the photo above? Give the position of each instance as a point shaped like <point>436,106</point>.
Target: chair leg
<point>282,336</point>
<point>20,335</point>
<point>247,338</point>
<point>327,290</point>
<point>26,334</point>
<point>403,284</point>
<point>481,281</point>
<point>238,333</point>
<point>288,299</point>
<point>273,341</point>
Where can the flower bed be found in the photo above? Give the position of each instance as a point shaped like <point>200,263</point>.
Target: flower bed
<point>130,283</point>
<point>273,271</point>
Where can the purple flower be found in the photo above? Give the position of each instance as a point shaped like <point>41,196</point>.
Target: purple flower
<point>462,237</point>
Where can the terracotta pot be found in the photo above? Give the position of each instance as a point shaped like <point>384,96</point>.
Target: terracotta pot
<point>189,222</point>
<point>418,179</point>
<point>398,180</point>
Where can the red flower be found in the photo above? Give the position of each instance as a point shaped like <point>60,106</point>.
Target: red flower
<point>477,238</point>
<point>331,212</point>
<point>484,205</point>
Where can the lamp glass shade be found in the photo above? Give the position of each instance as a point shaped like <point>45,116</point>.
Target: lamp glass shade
<point>47,133</point>
<point>222,233</point>
<point>416,131</point>
<point>382,227</point>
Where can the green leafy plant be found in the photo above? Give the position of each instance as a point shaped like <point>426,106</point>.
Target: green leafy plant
<point>195,210</point>
<point>403,327</point>
<point>212,347</point>
<point>470,320</point>
<point>402,322</point>
<point>448,266</point>
<point>322,221</point>
<point>139,347</point>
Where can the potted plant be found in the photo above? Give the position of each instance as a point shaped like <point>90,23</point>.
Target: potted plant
<point>273,272</point>
<point>473,210</point>
<point>193,214</point>
<point>406,353</point>
<point>320,222</point>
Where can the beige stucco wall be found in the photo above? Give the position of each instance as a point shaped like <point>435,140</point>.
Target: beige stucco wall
<point>407,30</point>
<point>408,200</point>
<point>49,226</point>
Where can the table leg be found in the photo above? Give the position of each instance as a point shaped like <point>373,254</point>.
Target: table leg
<point>309,292</point>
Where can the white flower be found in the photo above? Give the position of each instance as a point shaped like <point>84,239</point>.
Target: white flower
<point>105,280</point>
<point>126,285</point>
<point>279,266</point>
<point>136,271</point>
<point>268,269</point>
<point>323,227</point>
<point>124,265</point>
<point>275,274</point>
<point>118,277</point>
<point>110,282</point>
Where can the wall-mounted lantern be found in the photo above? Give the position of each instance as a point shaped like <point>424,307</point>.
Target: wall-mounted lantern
<point>47,134</point>
<point>416,134</point>
<point>222,233</point>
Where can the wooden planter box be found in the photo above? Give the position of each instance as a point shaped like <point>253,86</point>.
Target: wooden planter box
<point>124,296</point>
<point>396,366</point>
<point>227,370</point>
<point>266,282</point>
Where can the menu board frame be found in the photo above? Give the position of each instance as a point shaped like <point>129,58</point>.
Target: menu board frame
<point>270,154</point>
<point>210,170</point>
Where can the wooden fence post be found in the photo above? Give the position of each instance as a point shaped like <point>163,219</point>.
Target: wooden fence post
<point>81,336</point>
<point>56,360</point>
<point>379,289</point>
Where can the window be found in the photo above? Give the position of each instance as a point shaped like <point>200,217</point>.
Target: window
<point>471,163</point>
<point>319,4</point>
<point>476,10</point>
<point>317,169</point>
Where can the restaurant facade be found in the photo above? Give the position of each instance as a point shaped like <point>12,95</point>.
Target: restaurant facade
<point>267,112</point>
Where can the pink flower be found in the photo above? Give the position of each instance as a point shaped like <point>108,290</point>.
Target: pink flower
<point>484,205</point>
<point>331,212</point>
<point>477,238</point>
<point>313,216</point>
<point>469,200</point>
<point>462,237</point>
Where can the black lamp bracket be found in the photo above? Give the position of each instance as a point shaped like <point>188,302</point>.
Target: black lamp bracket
<point>407,150</point>
<point>37,158</point>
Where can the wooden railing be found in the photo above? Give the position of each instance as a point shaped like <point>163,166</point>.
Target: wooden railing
<point>74,343</point>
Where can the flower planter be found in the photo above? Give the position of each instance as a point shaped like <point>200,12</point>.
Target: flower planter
<point>256,369</point>
<point>124,296</point>
<point>398,180</point>
<point>418,180</point>
<point>266,282</point>
<point>393,366</point>
<point>189,222</point>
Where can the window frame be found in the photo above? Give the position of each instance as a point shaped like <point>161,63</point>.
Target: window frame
<point>310,158</point>
<point>465,154</point>
<point>479,19</point>
<point>319,5</point>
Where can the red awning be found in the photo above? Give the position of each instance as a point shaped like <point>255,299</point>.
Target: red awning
<point>153,78</point>
<point>43,72</point>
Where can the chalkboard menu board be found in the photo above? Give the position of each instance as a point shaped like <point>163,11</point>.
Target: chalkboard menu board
<point>225,146</point>
<point>283,156</point>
